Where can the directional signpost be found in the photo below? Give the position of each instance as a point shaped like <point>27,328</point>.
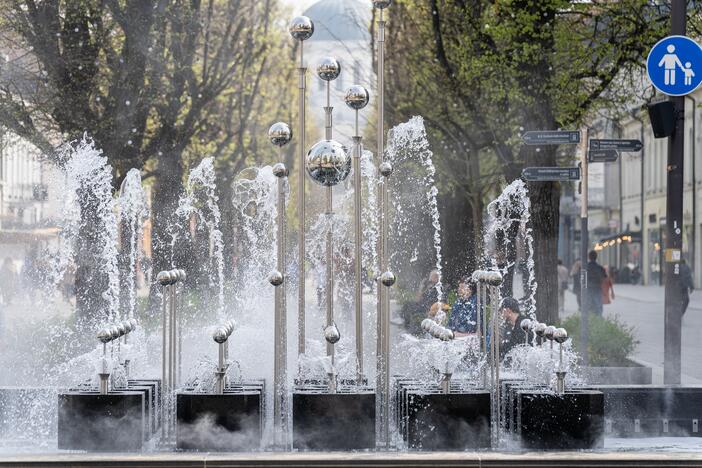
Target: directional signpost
<point>551,174</point>
<point>551,137</point>
<point>598,156</point>
<point>618,145</point>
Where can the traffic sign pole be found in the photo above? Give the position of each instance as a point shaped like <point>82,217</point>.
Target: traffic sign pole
<point>673,224</point>
<point>584,244</point>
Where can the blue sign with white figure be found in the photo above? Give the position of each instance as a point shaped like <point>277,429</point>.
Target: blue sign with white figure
<point>674,65</point>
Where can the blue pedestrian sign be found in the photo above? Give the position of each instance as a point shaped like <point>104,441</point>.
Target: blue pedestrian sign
<point>674,65</point>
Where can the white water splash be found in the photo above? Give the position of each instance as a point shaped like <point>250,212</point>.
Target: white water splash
<point>133,212</point>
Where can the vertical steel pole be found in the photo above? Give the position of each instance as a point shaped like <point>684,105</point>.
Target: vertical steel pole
<point>358,239</point>
<point>674,223</point>
<point>584,245</point>
<point>164,359</point>
<point>301,207</point>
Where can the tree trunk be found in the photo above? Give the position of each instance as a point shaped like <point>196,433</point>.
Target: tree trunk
<point>458,246</point>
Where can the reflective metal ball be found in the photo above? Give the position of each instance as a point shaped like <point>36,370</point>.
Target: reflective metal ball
<point>549,331</point>
<point>104,335</point>
<point>280,134</point>
<point>386,169</point>
<point>275,278</point>
<point>493,278</point>
<point>560,335</point>
<point>426,324</point>
<point>382,4</point>
<point>220,335</point>
<point>163,278</point>
<point>328,69</point>
<point>525,324</point>
<point>127,326</point>
<point>539,329</point>
<point>332,334</point>
<point>328,163</point>
<point>183,276</point>
<point>122,329</point>
<point>388,278</point>
<point>301,28</point>
<point>446,334</point>
<point>114,331</point>
<point>133,323</point>
<point>357,97</point>
<point>279,170</point>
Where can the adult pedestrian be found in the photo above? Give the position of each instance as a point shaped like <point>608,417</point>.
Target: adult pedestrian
<point>686,284</point>
<point>563,275</point>
<point>608,287</point>
<point>575,274</point>
<point>596,275</point>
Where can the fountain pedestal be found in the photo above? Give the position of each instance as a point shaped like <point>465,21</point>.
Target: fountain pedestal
<point>227,422</point>
<point>333,421</point>
<point>572,420</point>
<point>107,423</point>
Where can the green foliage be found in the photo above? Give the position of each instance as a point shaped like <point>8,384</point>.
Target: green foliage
<point>611,342</point>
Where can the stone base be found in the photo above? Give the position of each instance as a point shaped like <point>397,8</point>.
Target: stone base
<point>105,423</point>
<point>453,421</point>
<point>572,421</point>
<point>333,421</point>
<point>647,411</point>
<point>229,422</point>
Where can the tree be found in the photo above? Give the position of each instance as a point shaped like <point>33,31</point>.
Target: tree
<point>493,69</point>
<point>148,80</point>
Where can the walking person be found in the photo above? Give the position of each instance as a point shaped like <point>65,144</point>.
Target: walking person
<point>595,277</point>
<point>686,284</point>
<point>563,276</point>
<point>607,287</point>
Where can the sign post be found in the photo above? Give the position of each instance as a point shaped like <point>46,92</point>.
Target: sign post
<point>674,67</point>
<point>600,156</point>
<point>551,174</point>
<point>551,137</point>
<point>625,146</point>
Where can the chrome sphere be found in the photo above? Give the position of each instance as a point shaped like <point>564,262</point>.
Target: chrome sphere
<point>328,163</point>
<point>301,28</point>
<point>163,278</point>
<point>549,331</point>
<point>127,326</point>
<point>493,278</point>
<point>229,324</point>
<point>525,324</point>
<point>279,170</point>
<point>133,323</point>
<point>280,134</point>
<point>539,329</point>
<point>426,324</point>
<point>182,274</point>
<point>386,169</point>
<point>220,335</point>
<point>275,278</point>
<point>560,335</point>
<point>357,97</point>
<point>104,335</point>
<point>331,334</point>
<point>446,335</point>
<point>388,278</point>
<point>122,329</point>
<point>328,69</point>
<point>114,332</point>
<point>382,4</point>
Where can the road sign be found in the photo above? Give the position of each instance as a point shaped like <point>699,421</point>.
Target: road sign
<point>551,174</point>
<point>598,156</point>
<point>551,137</point>
<point>674,65</point>
<point>626,146</point>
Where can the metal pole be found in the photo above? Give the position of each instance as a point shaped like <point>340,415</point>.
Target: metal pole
<point>495,290</point>
<point>584,245</point>
<point>164,359</point>
<point>330,269</point>
<point>301,207</point>
<point>358,239</point>
<point>674,223</point>
<point>172,357</point>
<point>693,168</point>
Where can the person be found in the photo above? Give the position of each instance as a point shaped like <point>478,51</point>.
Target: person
<point>670,62</point>
<point>463,320</point>
<point>595,278</point>
<point>607,287</point>
<point>689,74</point>
<point>575,274</point>
<point>563,276</point>
<point>8,281</point>
<point>686,284</point>
<point>513,334</point>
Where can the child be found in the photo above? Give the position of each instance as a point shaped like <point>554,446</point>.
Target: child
<point>688,73</point>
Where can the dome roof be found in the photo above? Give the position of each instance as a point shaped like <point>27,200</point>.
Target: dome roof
<point>340,20</point>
